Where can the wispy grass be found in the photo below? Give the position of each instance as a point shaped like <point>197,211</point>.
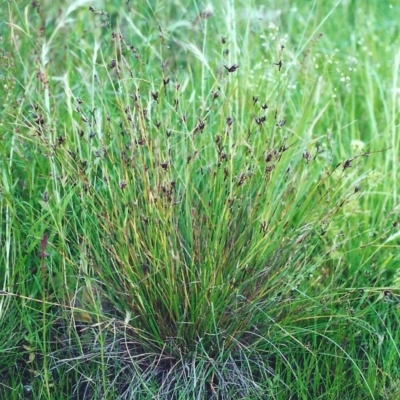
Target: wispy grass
<point>199,202</point>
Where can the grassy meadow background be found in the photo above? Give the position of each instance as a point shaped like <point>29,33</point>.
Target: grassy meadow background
<point>199,200</point>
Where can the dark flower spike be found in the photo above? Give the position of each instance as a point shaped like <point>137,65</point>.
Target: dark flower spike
<point>260,120</point>
<point>347,164</point>
<point>307,156</point>
<point>199,127</point>
<point>112,64</point>
<point>233,68</point>
<point>279,64</point>
<point>155,96</point>
<point>229,121</point>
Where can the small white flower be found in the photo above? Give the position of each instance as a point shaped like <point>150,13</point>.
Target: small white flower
<point>357,145</point>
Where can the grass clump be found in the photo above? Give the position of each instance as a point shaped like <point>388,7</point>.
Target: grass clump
<point>192,204</point>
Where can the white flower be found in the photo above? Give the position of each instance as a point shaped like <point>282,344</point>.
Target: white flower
<point>357,145</point>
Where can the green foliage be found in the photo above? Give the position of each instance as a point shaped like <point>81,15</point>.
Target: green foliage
<point>199,202</point>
